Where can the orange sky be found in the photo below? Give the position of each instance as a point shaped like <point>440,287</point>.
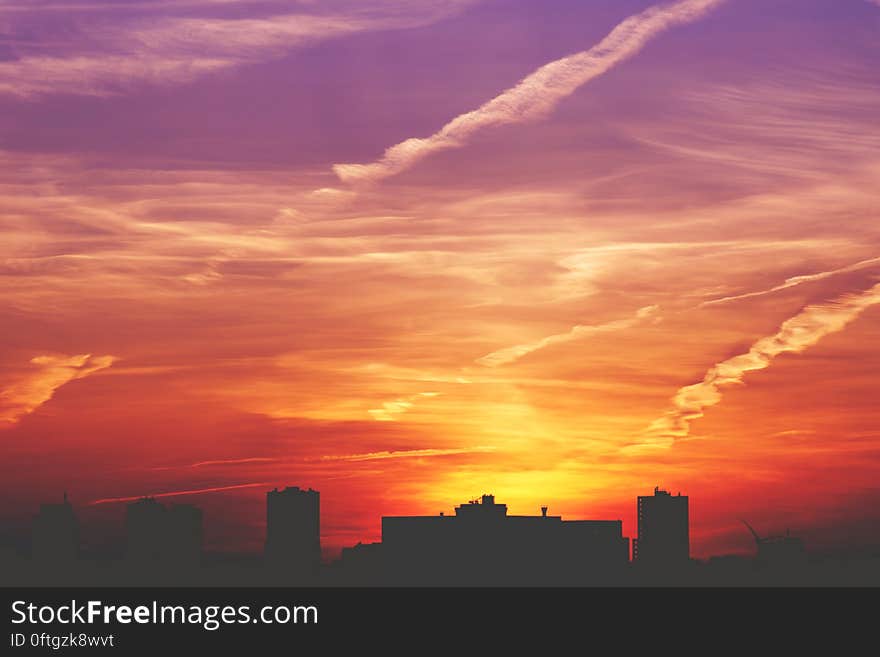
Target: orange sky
<point>409,253</point>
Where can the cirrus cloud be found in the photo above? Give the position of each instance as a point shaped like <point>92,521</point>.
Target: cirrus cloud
<point>37,386</point>
<point>102,57</point>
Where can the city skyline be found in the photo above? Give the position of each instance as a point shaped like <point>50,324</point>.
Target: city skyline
<point>95,540</point>
<point>397,251</point>
<point>480,544</point>
<point>293,520</point>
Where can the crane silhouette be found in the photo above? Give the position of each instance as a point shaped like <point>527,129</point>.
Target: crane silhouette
<point>778,550</point>
<point>758,539</point>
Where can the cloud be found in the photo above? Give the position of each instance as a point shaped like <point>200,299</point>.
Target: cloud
<point>795,335</point>
<point>389,411</point>
<point>406,453</point>
<point>104,58</point>
<point>198,491</point>
<point>511,354</point>
<point>98,76</point>
<point>35,388</point>
<point>30,6</point>
<point>797,280</point>
<point>537,94</point>
<point>793,432</point>
<point>791,125</point>
<point>169,51</point>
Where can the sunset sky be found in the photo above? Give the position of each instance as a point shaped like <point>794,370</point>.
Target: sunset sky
<point>406,252</point>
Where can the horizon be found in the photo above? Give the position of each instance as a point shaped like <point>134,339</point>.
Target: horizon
<point>114,543</point>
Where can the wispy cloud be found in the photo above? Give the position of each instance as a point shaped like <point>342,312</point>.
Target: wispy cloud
<point>168,51</point>
<point>38,386</point>
<point>29,6</point>
<point>104,58</point>
<point>511,354</point>
<point>795,335</point>
<point>389,411</point>
<point>537,94</point>
<point>797,280</point>
<point>406,453</point>
<point>98,76</point>
<point>177,493</point>
<point>793,432</point>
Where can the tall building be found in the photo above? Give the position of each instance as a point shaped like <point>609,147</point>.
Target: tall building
<point>483,543</point>
<point>185,529</point>
<point>664,536</point>
<point>293,529</point>
<point>159,534</point>
<point>55,537</point>
<point>145,530</point>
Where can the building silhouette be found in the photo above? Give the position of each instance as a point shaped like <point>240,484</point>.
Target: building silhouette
<point>293,529</point>
<point>144,530</point>
<point>360,564</point>
<point>663,531</point>
<point>55,534</point>
<point>185,526</point>
<point>361,556</point>
<point>156,534</point>
<point>481,543</point>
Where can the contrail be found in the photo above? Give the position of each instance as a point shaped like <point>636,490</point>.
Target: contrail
<point>199,491</point>
<point>511,354</point>
<point>406,453</point>
<point>203,464</point>
<point>537,94</point>
<point>796,280</point>
<point>795,335</point>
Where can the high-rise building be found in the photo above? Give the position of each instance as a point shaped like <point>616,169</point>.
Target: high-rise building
<point>293,529</point>
<point>145,530</point>
<point>55,536</point>
<point>185,534</point>
<point>170,535</point>
<point>664,536</point>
